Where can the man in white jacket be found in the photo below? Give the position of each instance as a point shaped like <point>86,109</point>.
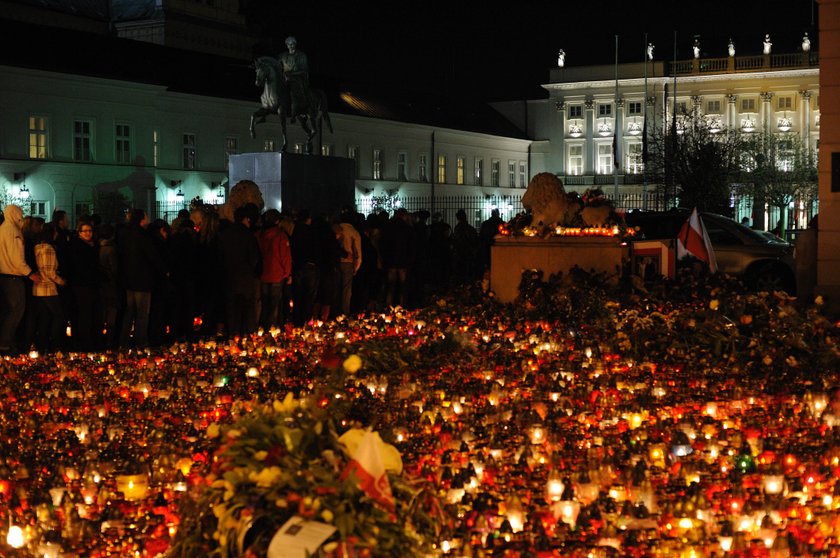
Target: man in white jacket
<point>13,270</point>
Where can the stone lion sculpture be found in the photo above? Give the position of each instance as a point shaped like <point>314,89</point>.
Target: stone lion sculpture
<point>244,191</point>
<point>548,201</point>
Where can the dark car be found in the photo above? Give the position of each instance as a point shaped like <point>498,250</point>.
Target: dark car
<point>762,263</point>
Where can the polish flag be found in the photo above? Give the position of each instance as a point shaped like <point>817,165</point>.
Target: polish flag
<point>693,239</point>
<point>368,470</point>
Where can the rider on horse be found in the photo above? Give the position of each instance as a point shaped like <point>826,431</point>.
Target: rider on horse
<point>296,73</point>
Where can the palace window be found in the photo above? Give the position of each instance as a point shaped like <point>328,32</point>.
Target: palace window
<point>784,103</point>
<point>422,172</point>
<point>188,159</point>
<point>605,158</point>
<point>441,174</point>
<point>155,147</point>
<point>478,173</point>
<point>83,141</point>
<point>378,164</point>
<point>459,171</point>
<point>747,105</point>
<point>604,110</point>
<point>634,158</point>
<point>353,153</point>
<point>523,174</point>
<point>38,136</point>
<point>713,107</point>
<point>231,148</point>
<point>575,160</point>
<point>495,171</point>
<point>402,164</point>
<point>575,111</point>
<point>122,143</point>
<point>634,108</point>
<point>512,174</point>
<point>268,145</point>
<point>326,150</point>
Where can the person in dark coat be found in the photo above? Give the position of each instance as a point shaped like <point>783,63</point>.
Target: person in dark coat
<point>486,234</point>
<point>183,268</point>
<point>239,257</point>
<point>83,277</point>
<point>306,256</point>
<point>398,252</point>
<point>139,267</point>
<point>110,293</point>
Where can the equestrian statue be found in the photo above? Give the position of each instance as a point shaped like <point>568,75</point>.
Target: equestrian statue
<point>286,93</point>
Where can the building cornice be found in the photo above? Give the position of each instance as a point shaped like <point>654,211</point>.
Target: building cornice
<point>640,82</point>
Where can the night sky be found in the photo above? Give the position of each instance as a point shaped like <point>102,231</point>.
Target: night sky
<point>472,50</point>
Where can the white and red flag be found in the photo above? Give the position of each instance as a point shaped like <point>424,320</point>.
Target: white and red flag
<point>693,239</point>
<point>368,468</point>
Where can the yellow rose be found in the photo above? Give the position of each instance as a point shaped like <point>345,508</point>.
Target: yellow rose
<point>266,477</point>
<point>286,406</point>
<point>352,364</point>
<point>327,516</point>
<point>213,430</point>
<point>391,459</point>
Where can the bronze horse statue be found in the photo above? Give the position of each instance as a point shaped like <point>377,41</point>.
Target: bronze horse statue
<point>276,99</point>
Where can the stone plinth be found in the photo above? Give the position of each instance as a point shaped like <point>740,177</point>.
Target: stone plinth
<point>290,181</point>
<point>510,256</point>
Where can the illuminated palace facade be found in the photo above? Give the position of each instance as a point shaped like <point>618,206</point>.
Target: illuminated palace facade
<point>587,107</point>
<point>155,119</point>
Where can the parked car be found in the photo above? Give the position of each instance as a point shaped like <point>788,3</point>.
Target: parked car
<point>763,263</point>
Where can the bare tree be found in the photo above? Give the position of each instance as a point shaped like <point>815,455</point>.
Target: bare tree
<point>694,162</point>
<point>778,169</point>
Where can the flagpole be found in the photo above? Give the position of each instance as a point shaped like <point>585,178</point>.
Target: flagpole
<point>644,128</point>
<point>615,131</point>
<point>674,117</point>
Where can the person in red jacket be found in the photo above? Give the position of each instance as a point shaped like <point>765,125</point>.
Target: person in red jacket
<point>276,275</point>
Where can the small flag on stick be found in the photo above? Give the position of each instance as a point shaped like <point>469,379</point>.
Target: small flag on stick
<point>368,469</point>
<point>693,239</point>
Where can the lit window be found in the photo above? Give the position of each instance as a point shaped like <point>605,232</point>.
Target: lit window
<point>326,150</point>
<point>298,148</point>
<point>82,141</point>
<point>495,171</point>
<point>188,159</point>
<point>634,158</point>
<point>122,143</point>
<point>268,145</point>
<point>441,168</point>
<point>575,160</point>
<point>459,171</point>
<point>37,137</point>
<point>605,158</point>
<point>155,147</point>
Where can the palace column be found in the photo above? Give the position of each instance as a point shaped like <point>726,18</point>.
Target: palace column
<point>590,155</point>
<point>805,118</point>
<point>731,111</point>
<point>765,116</point>
<point>558,153</point>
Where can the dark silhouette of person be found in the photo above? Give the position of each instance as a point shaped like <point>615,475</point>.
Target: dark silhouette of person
<point>239,256</point>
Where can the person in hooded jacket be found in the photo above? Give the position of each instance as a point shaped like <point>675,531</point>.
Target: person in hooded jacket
<point>13,272</point>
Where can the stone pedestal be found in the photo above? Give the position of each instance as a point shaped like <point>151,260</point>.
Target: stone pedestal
<point>290,181</point>
<point>510,256</point>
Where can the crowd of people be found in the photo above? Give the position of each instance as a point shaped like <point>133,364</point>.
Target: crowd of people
<point>148,282</point>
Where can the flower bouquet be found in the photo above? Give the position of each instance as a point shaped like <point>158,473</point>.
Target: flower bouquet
<point>283,467</point>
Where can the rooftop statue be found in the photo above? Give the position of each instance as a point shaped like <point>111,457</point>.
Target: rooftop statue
<point>286,93</point>
<point>767,44</point>
<point>696,48</point>
<point>650,48</point>
<point>806,43</point>
<point>731,48</point>
<point>561,58</point>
